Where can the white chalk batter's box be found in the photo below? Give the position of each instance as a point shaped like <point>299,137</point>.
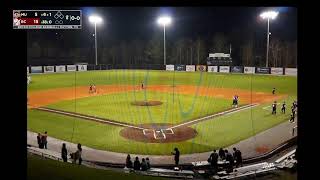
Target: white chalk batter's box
<point>158,133</point>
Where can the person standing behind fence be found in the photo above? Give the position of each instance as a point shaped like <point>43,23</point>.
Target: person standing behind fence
<point>39,140</point>
<point>128,162</point>
<point>176,156</point>
<point>238,157</point>
<point>148,163</point>
<point>44,140</point>
<point>136,164</point>
<point>79,153</point>
<point>230,159</point>
<point>144,166</point>
<point>222,155</point>
<point>214,160</point>
<point>64,153</point>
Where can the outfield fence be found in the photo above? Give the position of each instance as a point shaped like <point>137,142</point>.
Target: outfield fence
<point>170,67</point>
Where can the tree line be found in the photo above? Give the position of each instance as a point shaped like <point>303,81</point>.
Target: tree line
<point>249,51</point>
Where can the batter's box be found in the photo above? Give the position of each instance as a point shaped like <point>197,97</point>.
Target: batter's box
<point>158,134</point>
<point>167,131</point>
<point>147,131</point>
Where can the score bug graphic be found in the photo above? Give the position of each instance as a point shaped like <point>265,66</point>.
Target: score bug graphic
<point>47,19</point>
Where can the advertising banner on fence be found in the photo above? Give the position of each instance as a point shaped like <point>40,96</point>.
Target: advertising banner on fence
<point>170,67</point>
<point>36,69</point>
<point>48,69</point>
<point>291,71</point>
<point>263,70</point>
<point>237,69</point>
<point>60,68</point>
<point>82,67</point>
<point>212,68</point>
<point>249,70</point>
<point>224,69</point>
<point>202,68</point>
<point>180,67</point>
<point>278,71</point>
<point>190,68</point>
<point>71,68</point>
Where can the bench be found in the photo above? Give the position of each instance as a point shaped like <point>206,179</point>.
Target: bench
<point>206,163</point>
<point>286,156</point>
<point>46,153</point>
<point>246,171</point>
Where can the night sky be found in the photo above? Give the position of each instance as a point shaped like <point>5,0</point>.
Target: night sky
<point>130,23</point>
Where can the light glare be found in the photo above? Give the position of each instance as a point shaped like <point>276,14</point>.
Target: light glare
<point>95,19</point>
<point>165,20</point>
<point>269,15</point>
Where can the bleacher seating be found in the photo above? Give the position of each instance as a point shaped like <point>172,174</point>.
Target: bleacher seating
<point>246,171</point>
<point>286,161</point>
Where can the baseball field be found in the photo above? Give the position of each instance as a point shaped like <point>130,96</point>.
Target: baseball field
<point>189,110</point>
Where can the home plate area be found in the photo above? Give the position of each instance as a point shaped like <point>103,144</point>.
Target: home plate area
<point>158,133</point>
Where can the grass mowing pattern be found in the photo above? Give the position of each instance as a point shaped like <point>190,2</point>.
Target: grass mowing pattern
<point>220,132</point>
<point>108,106</point>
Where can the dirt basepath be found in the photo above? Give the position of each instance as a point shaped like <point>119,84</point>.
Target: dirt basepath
<point>45,97</point>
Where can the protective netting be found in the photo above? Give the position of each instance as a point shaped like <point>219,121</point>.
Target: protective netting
<point>195,112</point>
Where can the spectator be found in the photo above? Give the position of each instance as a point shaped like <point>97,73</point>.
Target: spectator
<point>214,160</point>
<point>128,162</point>
<point>44,140</point>
<point>144,166</point>
<point>230,159</point>
<point>79,153</point>
<point>64,153</point>
<point>148,163</point>
<point>39,140</point>
<point>176,156</point>
<point>237,156</point>
<point>222,155</point>
<point>136,164</point>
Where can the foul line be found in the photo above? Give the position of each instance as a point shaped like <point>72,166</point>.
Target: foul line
<point>105,121</point>
<point>215,115</point>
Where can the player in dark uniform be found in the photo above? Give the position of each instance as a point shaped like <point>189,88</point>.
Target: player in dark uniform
<point>142,85</point>
<point>274,108</point>
<point>237,100</point>
<point>291,118</point>
<point>90,89</point>
<point>234,101</point>
<point>283,109</point>
<point>273,90</point>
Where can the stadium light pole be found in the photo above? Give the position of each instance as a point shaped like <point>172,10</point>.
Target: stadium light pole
<point>164,20</point>
<point>96,20</point>
<point>268,15</point>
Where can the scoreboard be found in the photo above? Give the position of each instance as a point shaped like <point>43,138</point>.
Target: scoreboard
<point>47,19</point>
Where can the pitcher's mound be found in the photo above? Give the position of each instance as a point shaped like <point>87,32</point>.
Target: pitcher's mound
<point>146,103</point>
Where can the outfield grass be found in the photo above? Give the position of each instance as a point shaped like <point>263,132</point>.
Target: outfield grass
<point>175,108</point>
<point>39,169</point>
<point>219,132</point>
<point>263,83</point>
